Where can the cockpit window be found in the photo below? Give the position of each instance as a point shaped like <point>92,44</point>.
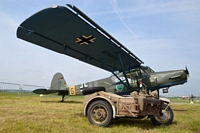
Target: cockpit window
<point>147,69</point>
<point>132,76</point>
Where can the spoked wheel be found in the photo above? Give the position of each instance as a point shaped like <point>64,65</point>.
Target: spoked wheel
<point>99,113</point>
<point>166,118</point>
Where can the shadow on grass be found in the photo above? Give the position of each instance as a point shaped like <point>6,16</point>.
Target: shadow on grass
<point>130,122</point>
<point>71,101</point>
<point>174,123</point>
<point>126,121</point>
<point>80,115</point>
<point>180,110</point>
<point>145,124</point>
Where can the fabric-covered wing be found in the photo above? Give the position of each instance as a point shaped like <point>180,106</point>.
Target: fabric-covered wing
<point>68,31</point>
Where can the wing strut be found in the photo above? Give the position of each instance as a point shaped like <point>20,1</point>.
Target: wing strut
<point>122,65</point>
<point>127,86</point>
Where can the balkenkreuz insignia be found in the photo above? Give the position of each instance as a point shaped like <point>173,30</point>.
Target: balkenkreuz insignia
<point>85,39</point>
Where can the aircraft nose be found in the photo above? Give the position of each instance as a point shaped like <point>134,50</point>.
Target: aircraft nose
<point>172,78</point>
<point>178,75</point>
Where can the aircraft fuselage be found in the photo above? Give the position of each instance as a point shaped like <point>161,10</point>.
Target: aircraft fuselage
<point>143,75</point>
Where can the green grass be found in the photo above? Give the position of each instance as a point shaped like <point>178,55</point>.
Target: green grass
<point>31,113</point>
<point>180,100</point>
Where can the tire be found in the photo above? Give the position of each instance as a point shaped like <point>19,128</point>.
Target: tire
<point>165,119</point>
<point>99,113</point>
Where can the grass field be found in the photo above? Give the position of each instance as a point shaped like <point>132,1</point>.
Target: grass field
<point>30,113</point>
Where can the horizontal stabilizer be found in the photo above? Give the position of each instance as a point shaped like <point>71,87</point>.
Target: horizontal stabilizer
<point>45,91</point>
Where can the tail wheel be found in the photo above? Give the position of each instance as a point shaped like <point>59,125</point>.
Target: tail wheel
<point>99,113</point>
<point>166,118</point>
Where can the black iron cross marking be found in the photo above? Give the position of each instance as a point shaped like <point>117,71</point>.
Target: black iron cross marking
<point>85,39</point>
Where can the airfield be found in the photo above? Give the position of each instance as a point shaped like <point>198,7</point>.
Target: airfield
<point>28,112</point>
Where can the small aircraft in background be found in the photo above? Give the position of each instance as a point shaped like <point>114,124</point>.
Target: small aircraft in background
<point>69,31</point>
<point>58,86</point>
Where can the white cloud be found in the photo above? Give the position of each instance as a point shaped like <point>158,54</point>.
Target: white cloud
<point>7,20</point>
<point>183,10</point>
<point>121,16</point>
<point>43,77</point>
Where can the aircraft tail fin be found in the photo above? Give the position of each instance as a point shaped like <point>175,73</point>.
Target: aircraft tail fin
<point>58,82</point>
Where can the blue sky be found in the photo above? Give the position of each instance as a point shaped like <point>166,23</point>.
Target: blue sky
<point>163,34</point>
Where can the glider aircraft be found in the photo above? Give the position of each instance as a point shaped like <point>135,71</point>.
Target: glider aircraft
<point>67,30</point>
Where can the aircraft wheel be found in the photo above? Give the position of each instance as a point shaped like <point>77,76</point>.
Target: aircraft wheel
<point>166,118</point>
<point>99,113</point>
